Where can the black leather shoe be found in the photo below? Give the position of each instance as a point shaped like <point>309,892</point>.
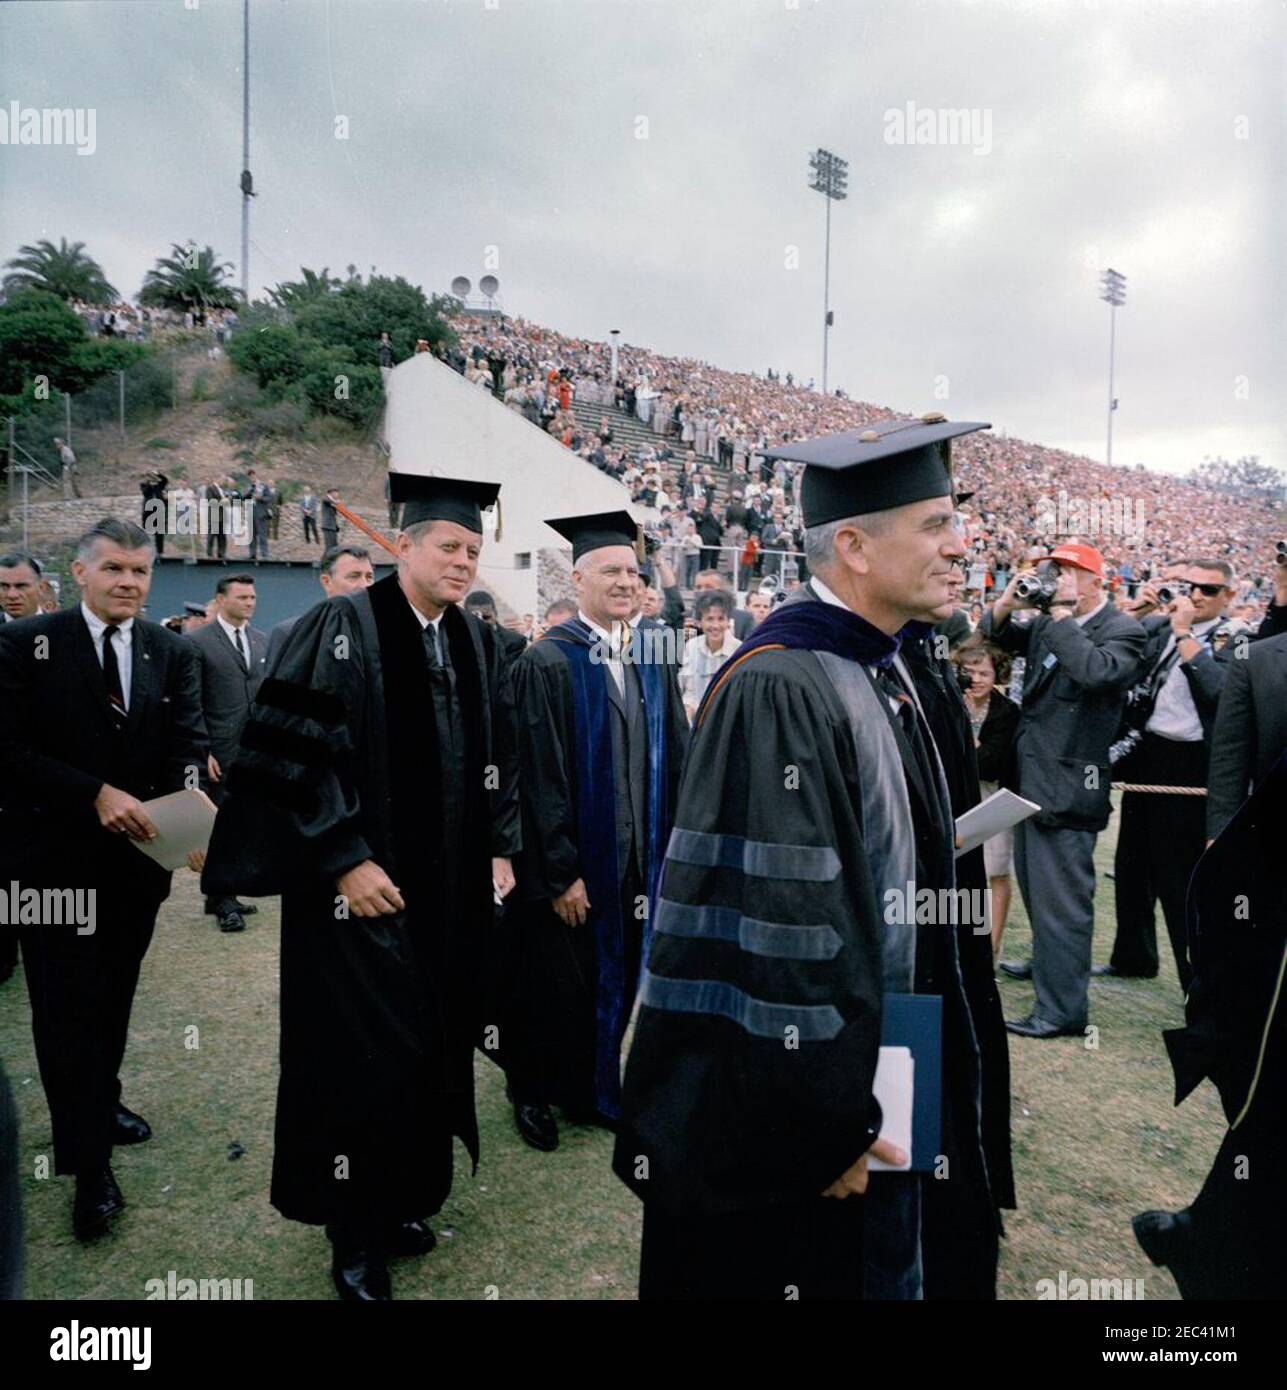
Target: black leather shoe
<point>232,921</point>
<point>1017,969</point>
<point>1166,1237</point>
<point>97,1200</point>
<point>412,1238</point>
<point>1033,1027</point>
<point>537,1126</point>
<point>360,1274</point>
<point>129,1128</point>
<point>1112,972</point>
<point>246,909</point>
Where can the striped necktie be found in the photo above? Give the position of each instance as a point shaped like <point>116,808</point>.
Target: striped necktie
<point>112,679</point>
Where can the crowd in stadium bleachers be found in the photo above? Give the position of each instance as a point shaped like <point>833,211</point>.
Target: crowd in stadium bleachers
<point>705,430</point>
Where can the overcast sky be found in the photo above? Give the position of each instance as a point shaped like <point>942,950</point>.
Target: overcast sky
<point>1148,137</point>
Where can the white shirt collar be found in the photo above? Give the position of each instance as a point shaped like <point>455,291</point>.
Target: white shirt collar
<point>232,630</point>
<point>825,594</point>
<point>97,626</point>
<point>420,617</point>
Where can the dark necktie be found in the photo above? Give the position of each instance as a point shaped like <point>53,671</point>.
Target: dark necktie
<point>431,647</point>
<point>888,680</point>
<point>241,647</point>
<point>112,679</point>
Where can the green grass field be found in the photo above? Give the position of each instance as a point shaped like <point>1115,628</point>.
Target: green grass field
<point>1096,1140</point>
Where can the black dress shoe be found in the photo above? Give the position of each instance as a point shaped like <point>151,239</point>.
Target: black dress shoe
<point>1112,972</point>
<point>1017,969</point>
<point>360,1274</point>
<point>97,1200</point>
<point>537,1126</point>
<point>129,1128</point>
<point>246,909</point>
<point>1033,1027</point>
<point>411,1238</point>
<point>232,921</point>
<point>1166,1237</point>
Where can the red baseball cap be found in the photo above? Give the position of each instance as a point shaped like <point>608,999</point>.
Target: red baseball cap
<point>1084,557</point>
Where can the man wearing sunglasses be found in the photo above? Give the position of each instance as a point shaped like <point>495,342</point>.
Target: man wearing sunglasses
<point>1162,836</point>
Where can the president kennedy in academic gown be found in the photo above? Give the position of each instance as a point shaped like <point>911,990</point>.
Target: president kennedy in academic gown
<point>375,790</point>
<point>601,733</point>
<point>812,797</point>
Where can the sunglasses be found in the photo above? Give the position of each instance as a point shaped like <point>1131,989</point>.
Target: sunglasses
<point>1210,590</point>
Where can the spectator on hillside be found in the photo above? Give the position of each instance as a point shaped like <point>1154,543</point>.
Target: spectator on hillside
<point>153,487</point>
<point>308,507</point>
<point>70,473</point>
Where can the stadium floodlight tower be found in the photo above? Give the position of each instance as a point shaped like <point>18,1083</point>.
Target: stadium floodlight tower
<point>1112,290</point>
<point>828,175</point>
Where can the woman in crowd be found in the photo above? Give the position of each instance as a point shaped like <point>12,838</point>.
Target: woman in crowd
<point>710,649</point>
<point>995,719</point>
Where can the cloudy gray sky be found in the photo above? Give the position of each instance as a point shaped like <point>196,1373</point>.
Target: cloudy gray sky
<point>1145,136</point>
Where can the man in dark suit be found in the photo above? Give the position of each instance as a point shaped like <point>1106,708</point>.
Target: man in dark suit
<point>1250,730</point>
<point>344,570</point>
<point>217,496</point>
<point>102,712</point>
<point>233,658</point>
<point>1081,658</point>
<point>1170,712</point>
<point>483,606</point>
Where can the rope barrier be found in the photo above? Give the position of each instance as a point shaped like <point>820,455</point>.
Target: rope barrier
<point>1164,791</point>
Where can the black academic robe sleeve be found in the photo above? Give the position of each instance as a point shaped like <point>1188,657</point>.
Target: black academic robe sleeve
<point>732,1112</point>
<point>293,815</point>
<point>542,697</point>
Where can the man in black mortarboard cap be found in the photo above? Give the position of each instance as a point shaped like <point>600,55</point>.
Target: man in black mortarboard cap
<point>602,732</point>
<point>812,814</point>
<point>375,790</point>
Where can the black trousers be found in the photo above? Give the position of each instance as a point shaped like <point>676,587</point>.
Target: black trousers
<point>216,545</point>
<point>810,1250</point>
<point>549,1036</point>
<point>82,990</point>
<point>8,952</point>
<point>1160,840</point>
<point>310,528</point>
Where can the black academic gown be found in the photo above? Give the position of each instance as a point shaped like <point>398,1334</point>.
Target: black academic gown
<point>552,1043</point>
<point>959,1245</point>
<point>1236,1034</point>
<point>355,749</point>
<point>729,1136</point>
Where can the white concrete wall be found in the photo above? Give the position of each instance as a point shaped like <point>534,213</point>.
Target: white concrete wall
<point>437,423</point>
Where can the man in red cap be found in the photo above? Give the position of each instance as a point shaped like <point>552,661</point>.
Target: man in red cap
<point>1081,657</point>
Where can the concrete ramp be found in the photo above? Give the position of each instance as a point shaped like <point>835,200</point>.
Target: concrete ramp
<point>437,423</point>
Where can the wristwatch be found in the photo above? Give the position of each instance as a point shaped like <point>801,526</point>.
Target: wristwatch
<point>1180,636</point>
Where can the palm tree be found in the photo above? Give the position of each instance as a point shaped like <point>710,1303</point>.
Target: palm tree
<point>309,287</point>
<point>189,279</point>
<point>64,270</point>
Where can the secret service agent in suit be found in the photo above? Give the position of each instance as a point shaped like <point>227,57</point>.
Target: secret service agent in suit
<point>102,712</point>
<point>1081,658</point>
<point>343,570</point>
<point>233,658</point>
<point>1250,730</point>
<point>1161,836</point>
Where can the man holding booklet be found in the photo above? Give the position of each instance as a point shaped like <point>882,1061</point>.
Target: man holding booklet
<point>777,968</point>
<point>102,713</point>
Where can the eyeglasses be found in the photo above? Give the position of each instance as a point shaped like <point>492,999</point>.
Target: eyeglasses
<point>1210,590</point>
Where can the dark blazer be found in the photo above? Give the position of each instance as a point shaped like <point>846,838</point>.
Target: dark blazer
<point>1273,624</point>
<point>58,744</point>
<point>227,686</point>
<point>1205,672</point>
<point>1074,688</point>
<point>996,740</point>
<point>1250,728</point>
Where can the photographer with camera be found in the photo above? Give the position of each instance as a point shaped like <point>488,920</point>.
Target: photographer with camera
<point>1165,740</point>
<point>1275,620</point>
<point>1081,656</point>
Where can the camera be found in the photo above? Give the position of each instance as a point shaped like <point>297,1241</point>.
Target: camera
<point>1171,590</point>
<point>1038,589</point>
<point>963,679</point>
<point>1280,552</point>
